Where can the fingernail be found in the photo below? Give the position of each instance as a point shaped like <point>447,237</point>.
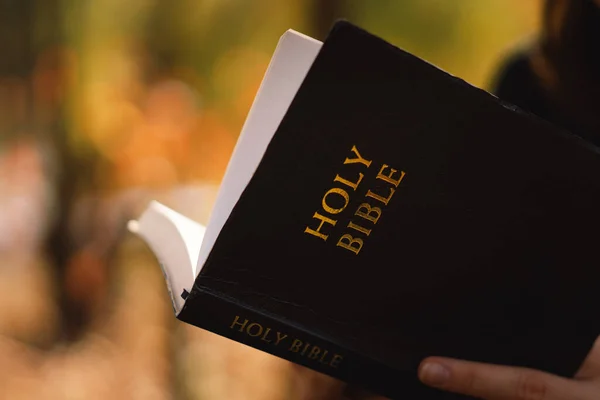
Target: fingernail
<point>434,374</point>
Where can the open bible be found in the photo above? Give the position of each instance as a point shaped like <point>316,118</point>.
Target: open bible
<point>377,210</point>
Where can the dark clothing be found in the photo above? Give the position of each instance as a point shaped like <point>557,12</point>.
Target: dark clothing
<point>517,83</point>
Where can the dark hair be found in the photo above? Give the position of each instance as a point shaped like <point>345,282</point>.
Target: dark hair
<point>566,64</point>
<point>571,35</point>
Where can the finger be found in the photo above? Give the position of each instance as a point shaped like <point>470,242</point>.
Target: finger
<point>590,369</point>
<point>494,382</point>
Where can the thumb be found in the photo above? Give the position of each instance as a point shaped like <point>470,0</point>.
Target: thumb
<point>495,382</point>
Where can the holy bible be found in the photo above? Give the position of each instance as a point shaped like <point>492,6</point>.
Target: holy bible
<point>377,210</point>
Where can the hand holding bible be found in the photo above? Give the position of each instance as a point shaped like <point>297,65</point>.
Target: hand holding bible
<point>493,382</point>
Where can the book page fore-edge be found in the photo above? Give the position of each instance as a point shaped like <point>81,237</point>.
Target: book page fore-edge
<point>289,65</point>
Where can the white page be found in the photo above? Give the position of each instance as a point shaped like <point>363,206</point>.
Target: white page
<point>175,241</point>
<point>289,65</point>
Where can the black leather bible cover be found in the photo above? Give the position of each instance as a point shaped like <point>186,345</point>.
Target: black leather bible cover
<point>399,213</point>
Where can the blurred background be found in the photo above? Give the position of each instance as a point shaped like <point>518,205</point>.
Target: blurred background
<point>106,104</point>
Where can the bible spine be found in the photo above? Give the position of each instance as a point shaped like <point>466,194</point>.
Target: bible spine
<point>226,317</point>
